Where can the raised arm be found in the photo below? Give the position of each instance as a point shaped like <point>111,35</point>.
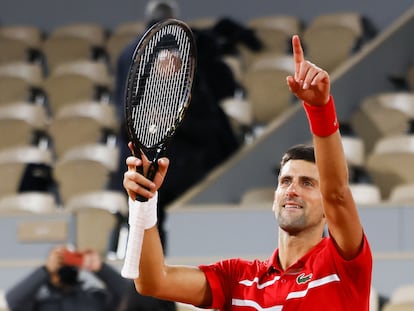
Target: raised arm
<point>311,84</point>
<point>176,283</point>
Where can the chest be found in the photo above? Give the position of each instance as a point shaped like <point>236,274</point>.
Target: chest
<point>299,290</point>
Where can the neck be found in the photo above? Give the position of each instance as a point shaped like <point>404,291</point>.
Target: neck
<point>294,247</point>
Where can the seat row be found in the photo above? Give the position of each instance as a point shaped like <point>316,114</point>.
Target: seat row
<point>328,39</point>
<point>383,175</point>
<point>83,168</point>
<point>388,163</point>
<point>65,43</point>
<point>69,82</point>
<point>79,123</point>
<point>84,39</point>
<point>73,73</point>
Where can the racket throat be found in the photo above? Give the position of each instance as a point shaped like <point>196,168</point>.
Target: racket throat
<point>152,170</point>
<point>155,154</point>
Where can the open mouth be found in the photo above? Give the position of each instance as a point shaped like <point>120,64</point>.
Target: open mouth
<point>292,206</point>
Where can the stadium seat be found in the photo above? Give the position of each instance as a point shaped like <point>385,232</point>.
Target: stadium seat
<point>122,35</point>
<point>131,27</point>
<point>13,163</point>
<point>30,34</point>
<point>20,43</point>
<point>13,50</point>
<point>84,169</point>
<point>331,38</point>
<point>77,81</point>
<point>354,149</point>
<point>365,194</point>
<point>92,32</point>
<point>383,114</point>
<point>82,123</point>
<point>266,90</point>
<point>15,89</point>
<point>258,196</point>
<point>20,123</point>
<point>28,202</point>
<point>392,162</point>
<point>275,32</point>
<point>3,303</point>
<point>373,300</point>
<point>96,217</point>
<point>20,81</point>
<point>403,294</point>
<point>59,50</point>
<point>239,113</point>
<point>31,72</point>
<point>73,42</point>
<point>402,194</point>
<point>205,22</point>
<point>404,306</point>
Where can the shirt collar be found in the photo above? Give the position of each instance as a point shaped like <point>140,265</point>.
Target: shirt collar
<point>273,262</point>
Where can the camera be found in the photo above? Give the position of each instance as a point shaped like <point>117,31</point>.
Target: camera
<point>72,258</point>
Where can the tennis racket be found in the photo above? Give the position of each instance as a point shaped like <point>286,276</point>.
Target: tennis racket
<point>158,92</point>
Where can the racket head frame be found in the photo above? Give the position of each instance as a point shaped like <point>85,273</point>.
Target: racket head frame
<point>155,151</point>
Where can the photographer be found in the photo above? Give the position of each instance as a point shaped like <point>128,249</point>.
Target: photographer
<point>57,286</point>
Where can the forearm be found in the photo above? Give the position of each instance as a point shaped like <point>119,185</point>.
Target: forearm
<point>176,283</point>
<point>152,268</point>
<point>332,165</point>
<point>340,210</point>
<point>155,278</point>
<point>329,154</point>
<point>143,215</point>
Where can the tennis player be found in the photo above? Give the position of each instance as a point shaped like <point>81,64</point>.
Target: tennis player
<point>307,271</point>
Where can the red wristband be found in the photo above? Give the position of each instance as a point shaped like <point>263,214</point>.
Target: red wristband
<point>322,119</point>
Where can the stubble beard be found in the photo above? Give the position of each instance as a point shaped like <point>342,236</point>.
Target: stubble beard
<point>292,225</point>
<point>290,221</point>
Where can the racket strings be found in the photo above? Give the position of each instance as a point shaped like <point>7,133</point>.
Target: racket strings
<point>164,92</point>
<point>178,82</point>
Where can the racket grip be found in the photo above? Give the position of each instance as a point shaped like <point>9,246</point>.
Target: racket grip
<point>152,170</point>
<point>130,269</point>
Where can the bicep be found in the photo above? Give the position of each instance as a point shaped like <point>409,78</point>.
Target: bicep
<point>184,284</point>
<point>190,285</point>
<point>340,209</point>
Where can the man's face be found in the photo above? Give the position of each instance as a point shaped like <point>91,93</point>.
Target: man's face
<point>298,200</point>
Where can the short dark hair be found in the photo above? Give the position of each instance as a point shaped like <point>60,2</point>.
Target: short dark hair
<point>299,152</point>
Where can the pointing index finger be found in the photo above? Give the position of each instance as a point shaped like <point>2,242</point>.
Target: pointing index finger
<point>298,56</point>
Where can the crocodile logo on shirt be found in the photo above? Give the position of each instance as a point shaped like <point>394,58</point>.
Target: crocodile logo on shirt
<point>302,278</point>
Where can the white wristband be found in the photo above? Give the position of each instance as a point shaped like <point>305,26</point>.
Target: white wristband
<point>149,211</point>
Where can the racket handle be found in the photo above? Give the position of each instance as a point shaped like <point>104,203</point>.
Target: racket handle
<point>152,170</point>
<point>130,269</point>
